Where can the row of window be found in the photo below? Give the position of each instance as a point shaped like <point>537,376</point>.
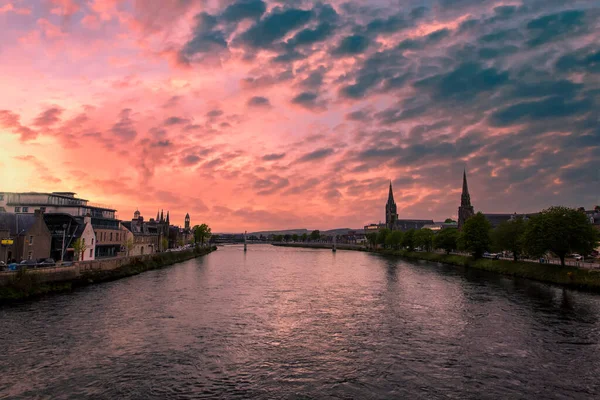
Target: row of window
<point>105,235</point>
<point>21,209</point>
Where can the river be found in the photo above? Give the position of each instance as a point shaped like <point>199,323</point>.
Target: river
<point>289,323</point>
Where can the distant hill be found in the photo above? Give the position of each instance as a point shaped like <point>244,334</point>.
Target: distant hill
<point>281,232</point>
<point>337,231</point>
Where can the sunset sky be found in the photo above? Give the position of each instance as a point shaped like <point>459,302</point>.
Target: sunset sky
<point>252,114</point>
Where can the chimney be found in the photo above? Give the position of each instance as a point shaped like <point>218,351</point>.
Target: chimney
<point>87,219</point>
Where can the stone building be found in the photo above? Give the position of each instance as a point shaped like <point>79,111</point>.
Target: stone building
<point>24,237</point>
<point>146,236</point>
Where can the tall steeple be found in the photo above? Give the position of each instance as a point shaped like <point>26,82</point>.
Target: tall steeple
<point>391,214</point>
<point>465,211</point>
<point>162,216</point>
<point>465,197</point>
<point>168,223</point>
<point>187,221</point>
<point>157,216</point>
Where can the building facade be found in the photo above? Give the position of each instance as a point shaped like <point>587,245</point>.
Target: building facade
<point>24,237</point>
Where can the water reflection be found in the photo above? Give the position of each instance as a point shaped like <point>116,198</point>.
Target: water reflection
<point>287,323</point>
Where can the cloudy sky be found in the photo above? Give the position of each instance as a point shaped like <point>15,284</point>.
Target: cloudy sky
<point>261,114</point>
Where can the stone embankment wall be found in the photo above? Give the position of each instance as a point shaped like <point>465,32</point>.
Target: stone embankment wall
<point>32,282</point>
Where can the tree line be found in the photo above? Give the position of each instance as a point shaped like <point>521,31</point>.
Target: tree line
<point>556,230</point>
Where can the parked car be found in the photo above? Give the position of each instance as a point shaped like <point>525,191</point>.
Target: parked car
<point>28,263</point>
<point>577,257</point>
<point>493,256</point>
<point>48,262</point>
<point>3,266</point>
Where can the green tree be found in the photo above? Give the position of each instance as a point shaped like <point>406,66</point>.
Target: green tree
<point>446,239</point>
<point>295,237</point>
<point>287,237</point>
<point>278,238</point>
<point>165,243</point>
<point>304,237</point>
<point>509,236</point>
<point>382,235</point>
<point>449,221</point>
<point>372,239</point>
<point>79,248</point>
<point>129,245</point>
<point>475,235</point>
<point>424,239</point>
<point>560,230</point>
<point>315,235</point>
<point>201,233</point>
<point>408,239</point>
<point>394,239</point>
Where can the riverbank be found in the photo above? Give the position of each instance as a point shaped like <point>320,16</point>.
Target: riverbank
<point>571,277</point>
<point>27,284</point>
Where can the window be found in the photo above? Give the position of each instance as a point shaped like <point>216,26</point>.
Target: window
<point>92,241</point>
<point>43,209</point>
<point>29,255</point>
<point>83,241</point>
<point>111,236</point>
<point>91,251</point>
<point>31,240</point>
<point>1,197</point>
<point>17,209</point>
<point>25,209</point>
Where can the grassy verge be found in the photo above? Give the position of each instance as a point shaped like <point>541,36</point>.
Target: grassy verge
<point>26,284</point>
<point>572,277</point>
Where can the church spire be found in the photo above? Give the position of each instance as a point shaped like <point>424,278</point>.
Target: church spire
<point>168,218</point>
<point>156,215</point>
<point>162,216</point>
<point>391,213</point>
<point>465,198</point>
<point>466,210</point>
<point>391,195</point>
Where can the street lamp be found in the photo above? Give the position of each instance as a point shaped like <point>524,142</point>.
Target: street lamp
<point>62,250</point>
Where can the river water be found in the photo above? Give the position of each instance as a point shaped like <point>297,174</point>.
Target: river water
<point>288,323</point>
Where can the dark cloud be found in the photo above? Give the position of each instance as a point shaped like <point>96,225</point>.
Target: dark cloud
<point>307,100</point>
<point>259,101</point>
<point>273,157</point>
<point>270,185</point>
<point>176,121</point>
<point>316,155</point>
<point>242,9</point>
<point>359,115</point>
<point>467,80</point>
<point>275,26</point>
<point>49,117</point>
<point>586,59</point>
<point>552,107</point>
<point>352,45</point>
<point>124,128</point>
<point>206,38</point>
<point>555,26</point>
<point>314,79</point>
<point>162,143</point>
<point>310,36</point>
<point>391,24</point>
<point>214,113</point>
<point>191,159</point>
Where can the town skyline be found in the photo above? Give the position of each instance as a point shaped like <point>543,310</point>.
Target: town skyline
<point>257,115</point>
